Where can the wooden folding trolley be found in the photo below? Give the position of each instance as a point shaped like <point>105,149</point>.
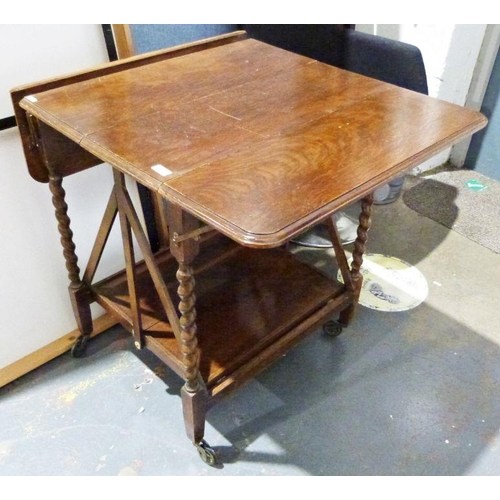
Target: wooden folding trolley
<point>242,146</point>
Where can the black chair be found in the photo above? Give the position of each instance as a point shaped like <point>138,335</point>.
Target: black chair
<point>391,61</point>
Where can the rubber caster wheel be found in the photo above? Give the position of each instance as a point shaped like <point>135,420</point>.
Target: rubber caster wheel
<point>206,453</point>
<point>332,328</point>
<point>80,346</point>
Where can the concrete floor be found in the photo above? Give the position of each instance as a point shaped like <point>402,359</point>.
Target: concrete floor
<point>407,393</point>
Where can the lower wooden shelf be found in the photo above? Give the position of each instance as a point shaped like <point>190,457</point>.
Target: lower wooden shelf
<point>251,306</point>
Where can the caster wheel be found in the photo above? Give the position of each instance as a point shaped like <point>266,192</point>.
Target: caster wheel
<point>332,328</point>
<point>206,453</point>
<point>80,346</point>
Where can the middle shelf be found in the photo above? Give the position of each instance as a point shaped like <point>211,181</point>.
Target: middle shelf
<point>246,300</point>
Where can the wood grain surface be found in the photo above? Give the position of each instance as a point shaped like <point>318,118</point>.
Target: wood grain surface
<point>258,142</point>
<point>230,282</point>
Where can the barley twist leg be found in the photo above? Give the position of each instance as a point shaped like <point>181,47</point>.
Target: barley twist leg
<point>357,257</point>
<point>189,347</point>
<point>77,289</point>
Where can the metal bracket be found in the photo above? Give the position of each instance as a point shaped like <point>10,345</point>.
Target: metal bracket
<point>195,235</point>
<point>34,136</point>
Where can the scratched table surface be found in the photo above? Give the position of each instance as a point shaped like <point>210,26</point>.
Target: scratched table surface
<point>256,141</point>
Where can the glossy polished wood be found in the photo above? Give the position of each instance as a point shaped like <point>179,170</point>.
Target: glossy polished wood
<point>49,147</point>
<point>245,300</point>
<point>258,143</point>
<point>278,141</point>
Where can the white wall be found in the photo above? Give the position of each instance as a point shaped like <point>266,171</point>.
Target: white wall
<point>450,53</point>
<point>479,84</point>
<point>38,51</point>
<point>34,303</point>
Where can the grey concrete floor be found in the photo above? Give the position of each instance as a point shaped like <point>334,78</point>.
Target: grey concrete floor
<point>407,393</point>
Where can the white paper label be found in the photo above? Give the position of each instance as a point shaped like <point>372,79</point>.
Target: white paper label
<point>160,169</point>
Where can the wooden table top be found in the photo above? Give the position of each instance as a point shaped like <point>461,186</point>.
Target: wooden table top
<point>258,142</point>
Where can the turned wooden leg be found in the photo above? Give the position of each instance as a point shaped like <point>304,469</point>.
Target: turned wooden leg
<point>77,290</point>
<point>190,355</point>
<point>357,257</point>
<point>194,392</point>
